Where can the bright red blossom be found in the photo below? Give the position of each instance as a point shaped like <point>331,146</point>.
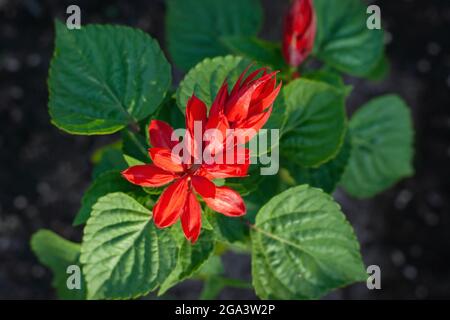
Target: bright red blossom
<point>299,32</point>
<point>248,106</point>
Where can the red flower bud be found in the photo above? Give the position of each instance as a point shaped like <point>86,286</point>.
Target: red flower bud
<point>299,32</point>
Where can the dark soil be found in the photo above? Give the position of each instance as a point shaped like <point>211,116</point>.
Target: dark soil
<point>44,171</point>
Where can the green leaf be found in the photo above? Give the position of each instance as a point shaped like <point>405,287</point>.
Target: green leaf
<point>96,157</point>
<point>211,289</point>
<point>303,247</point>
<point>195,27</point>
<point>171,114</point>
<point>190,259</point>
<point>246,185</point>
<point>265,52</point>
<point>104,77</point>
<point>231,230</point>
<point>270,186</point>
<point>325,177</point>
<point>135,148</point>
<point>207,77</point>
<point>110,159</point>
<point>108,182</point>
<point>381,69</point>
<point>58,254</point>
<point>211,268</point>
<point>343,39</point>
<point>123,254</point>
<point>382,139</point>
<point>328,76</point>
<point>210,272</point>
<point>315,122</point>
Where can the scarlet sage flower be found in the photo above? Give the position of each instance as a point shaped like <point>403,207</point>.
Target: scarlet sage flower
<point>247,107</point>
<point>186,180</point>
<point>249,104</point>
<point>299,32</point>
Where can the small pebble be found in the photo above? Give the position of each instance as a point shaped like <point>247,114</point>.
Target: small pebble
<point>16,92</point>
<point>11,64</point>
<point>37,271</point>
<point>402,199</point>
<point>424,66</point>
<point>20,202</point>
<point>410,272</point>
<point>33,60</point>
<point>433,48</point>
<point>431,219</point>
<point>398,258</point>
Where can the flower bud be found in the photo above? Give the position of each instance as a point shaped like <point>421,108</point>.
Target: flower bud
<point>299,32</point>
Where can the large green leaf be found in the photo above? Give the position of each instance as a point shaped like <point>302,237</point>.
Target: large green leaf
<point>123,254</point>
<point>315,122</point>
<point>382,139</point>
<point>303,247</point>
<point>325,177</point>
<point>190,258</point>
<point>108,182</point>
<point>195,27</point>
<point>104,77</point>
<point>343,39</point>
<point>58,254</point>
<point>207,77</point>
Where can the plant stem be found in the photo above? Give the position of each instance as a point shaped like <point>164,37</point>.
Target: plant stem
<point>134,126</point>
<point>235,283</point>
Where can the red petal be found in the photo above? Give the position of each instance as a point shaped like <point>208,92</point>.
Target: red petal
<point>237,167</point>
<point>160,134</point>
<point>238,84</point>
<point>253,124</point>
<point>237,107</point>
<point>165,159</point>
<point>265,99</point>
<point>171,204</point>
<point>148,175</point>
<point>253,76</point>
<point>221,171</point>
<point>219,101</point>
<point>203,186</point>
<point>195,111</point>
<point>215,141</point>
<point>225,200</point>
<point>191,219</point>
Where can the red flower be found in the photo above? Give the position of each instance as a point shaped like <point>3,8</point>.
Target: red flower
<point>299,32</point>
<point>248,106</point>
<point>187,180</point>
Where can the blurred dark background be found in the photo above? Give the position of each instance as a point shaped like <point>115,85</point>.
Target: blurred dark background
<point>44,172</point>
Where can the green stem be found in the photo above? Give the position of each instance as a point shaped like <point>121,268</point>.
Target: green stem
<point>236,283</point>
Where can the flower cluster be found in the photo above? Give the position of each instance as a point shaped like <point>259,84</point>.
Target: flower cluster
<point>242,111</point>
